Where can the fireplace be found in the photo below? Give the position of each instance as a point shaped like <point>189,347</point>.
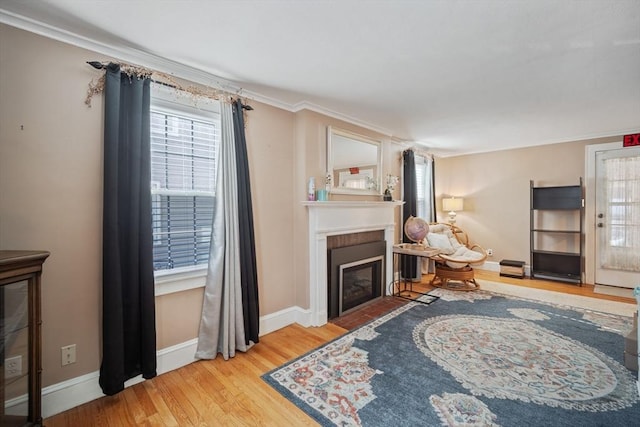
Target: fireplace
<point>331,220</point>
<point>356,276</point>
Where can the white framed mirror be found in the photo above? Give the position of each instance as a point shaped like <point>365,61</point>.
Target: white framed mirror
<point>354,163</point>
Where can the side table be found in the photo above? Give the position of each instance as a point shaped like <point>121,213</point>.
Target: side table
<point>403,287</point>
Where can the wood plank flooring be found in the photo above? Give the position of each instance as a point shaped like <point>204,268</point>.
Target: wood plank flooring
<point>231,393</point>
<point>209,392</point>
<point>586,290</point>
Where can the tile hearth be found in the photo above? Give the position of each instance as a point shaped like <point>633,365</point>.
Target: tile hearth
<point>368,312</point>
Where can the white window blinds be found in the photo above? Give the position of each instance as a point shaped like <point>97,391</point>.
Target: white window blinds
<point>184,158</point>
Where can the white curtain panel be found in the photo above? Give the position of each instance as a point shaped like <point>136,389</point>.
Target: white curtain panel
<point>425,187</point>
<point>222,324</point>
<point>622,185</point>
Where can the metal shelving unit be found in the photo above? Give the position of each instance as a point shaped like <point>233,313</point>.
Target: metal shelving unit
<point>556,232</point>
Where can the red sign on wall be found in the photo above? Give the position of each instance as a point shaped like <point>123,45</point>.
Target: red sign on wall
<point>631,140</point>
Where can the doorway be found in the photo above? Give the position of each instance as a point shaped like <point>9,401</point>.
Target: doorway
<point>613,222</point>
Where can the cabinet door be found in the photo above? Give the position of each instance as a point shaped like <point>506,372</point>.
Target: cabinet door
<point>14,352</point>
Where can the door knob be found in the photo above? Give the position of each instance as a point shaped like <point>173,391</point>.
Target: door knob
<point>600,215</point>
<point>600,225</point>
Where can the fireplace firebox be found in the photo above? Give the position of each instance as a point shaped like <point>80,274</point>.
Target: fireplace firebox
<point>356,276</point>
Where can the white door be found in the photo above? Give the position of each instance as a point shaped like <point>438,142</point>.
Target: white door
<point>617,210</point>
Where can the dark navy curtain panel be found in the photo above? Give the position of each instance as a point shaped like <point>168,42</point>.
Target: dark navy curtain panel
<point>409,264</point>
<point>248,269</point>
<point>128,311</point>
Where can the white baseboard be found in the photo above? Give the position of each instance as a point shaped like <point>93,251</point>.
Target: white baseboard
<point>71,393</point>
<point>68,394</point>
<point>76,391</point>
<point>176,356</point>
<point>60,397</point>
<point>280,319</point>
<point>490,266</point>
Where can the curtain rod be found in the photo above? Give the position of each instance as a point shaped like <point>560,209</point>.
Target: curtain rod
<point>217,94</point>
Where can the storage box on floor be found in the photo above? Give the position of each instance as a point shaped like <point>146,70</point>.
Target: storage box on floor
<point>631,346</point>
<point>511,268</point>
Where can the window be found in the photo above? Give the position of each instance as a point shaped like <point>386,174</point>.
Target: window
<point>184,158</point>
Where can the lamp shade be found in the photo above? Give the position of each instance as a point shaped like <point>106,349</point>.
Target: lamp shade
<point>454,204</point>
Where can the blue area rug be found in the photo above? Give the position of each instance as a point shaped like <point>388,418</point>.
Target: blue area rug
<point>470,358</point>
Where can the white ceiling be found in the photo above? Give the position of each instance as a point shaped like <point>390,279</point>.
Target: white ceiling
<point>459,76</point>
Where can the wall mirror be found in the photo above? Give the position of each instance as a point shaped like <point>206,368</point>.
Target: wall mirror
<point>354,163</point>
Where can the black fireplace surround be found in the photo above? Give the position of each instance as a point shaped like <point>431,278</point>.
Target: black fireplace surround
<point>361,269</point>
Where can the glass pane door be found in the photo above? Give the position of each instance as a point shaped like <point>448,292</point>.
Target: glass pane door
<point>14,351</point>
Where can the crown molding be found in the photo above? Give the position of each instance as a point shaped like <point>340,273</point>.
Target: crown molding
<point>305,105</point>
<point>173,68</point>
<point>578,138</point>
<point>123,53</point>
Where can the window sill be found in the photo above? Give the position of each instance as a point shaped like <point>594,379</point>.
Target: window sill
<point>180,279</point>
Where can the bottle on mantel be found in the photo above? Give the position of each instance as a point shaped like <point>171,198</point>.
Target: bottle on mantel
<point>311,190</point>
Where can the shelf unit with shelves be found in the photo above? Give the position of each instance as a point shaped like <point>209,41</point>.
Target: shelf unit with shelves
<point>556,232</point>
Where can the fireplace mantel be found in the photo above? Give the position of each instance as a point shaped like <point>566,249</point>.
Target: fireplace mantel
<point>333,218</point>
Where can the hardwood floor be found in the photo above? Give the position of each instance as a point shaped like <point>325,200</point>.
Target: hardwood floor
<point>231,393</point>
<point>209,392</point>
<point>568,288</point>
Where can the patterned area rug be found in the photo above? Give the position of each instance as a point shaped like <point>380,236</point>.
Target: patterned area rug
<point>470,359</point>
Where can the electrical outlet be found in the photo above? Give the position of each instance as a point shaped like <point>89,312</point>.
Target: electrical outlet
<point>490,252</point>
<point>13,367</point>
<point>68,354</point>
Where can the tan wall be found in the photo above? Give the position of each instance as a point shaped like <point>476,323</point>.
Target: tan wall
<point>495,187</point>
<point>178,317</point>
<point>310,131</point>
<point>50,198</point>
<point>270,148</point>
<point>50,188</point>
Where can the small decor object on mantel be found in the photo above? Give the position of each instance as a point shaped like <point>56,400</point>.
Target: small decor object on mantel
<point>392,181</point>
<point>311,190</point>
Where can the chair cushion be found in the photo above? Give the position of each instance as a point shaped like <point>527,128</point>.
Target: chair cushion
<point>465,254</point>
<point>463,257</point>
<point>440,241</point>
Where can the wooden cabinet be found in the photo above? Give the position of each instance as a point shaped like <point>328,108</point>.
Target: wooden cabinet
<point>20,343</point>
<point>557,232</point>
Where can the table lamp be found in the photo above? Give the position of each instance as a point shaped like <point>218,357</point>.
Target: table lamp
<point>452,204</point>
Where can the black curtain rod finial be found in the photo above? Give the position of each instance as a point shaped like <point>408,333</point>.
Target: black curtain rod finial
<point>96,64</point>
<point>247,107</point>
